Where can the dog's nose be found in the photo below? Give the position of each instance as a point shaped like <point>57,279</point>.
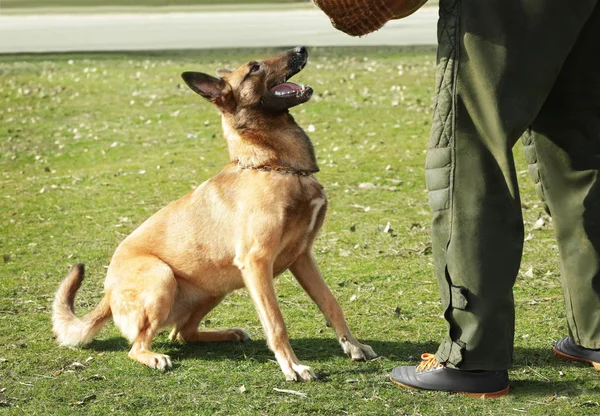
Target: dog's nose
<point>301,50</point>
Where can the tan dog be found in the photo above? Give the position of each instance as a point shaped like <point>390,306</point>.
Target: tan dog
<point>255,219</point>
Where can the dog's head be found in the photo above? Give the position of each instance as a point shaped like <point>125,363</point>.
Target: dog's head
<point>257,85</point>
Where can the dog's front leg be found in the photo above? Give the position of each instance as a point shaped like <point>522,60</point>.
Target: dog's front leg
<point>258,277</point>
<point>307,273</point>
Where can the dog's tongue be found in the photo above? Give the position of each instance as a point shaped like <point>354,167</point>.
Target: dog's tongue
<point>285,88</point>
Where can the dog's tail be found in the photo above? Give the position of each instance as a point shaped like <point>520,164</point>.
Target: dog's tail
<point>68,328</point>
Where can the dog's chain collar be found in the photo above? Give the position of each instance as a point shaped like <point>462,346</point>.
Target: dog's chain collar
<point>283,171</point>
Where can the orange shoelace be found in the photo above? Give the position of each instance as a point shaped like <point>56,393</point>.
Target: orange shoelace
<point>428,362</point>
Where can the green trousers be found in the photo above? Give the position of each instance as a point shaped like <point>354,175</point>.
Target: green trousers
<point>509,69</point>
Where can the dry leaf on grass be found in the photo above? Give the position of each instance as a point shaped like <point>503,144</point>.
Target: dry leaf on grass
<point>76,365</point>
<point>296,393</point>
<point>539,224</point>
<point>365,209</point>
<point>85,400</point>
<point>388,228</point>
<point>588,403</point>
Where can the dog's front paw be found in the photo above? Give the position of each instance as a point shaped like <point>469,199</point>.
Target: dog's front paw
<point>299,372</point>
<point>356,350</point>
<point>240,335</point>
<point>160,362</point>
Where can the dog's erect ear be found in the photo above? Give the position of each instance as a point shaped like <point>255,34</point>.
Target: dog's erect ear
<point>211,88</point>
<point>221,72</point>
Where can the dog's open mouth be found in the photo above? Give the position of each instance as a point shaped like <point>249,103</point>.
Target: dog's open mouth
<point>289,88</point>
<point>285,95</point>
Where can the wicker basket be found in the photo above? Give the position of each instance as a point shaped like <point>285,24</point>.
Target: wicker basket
<point>359,17</point>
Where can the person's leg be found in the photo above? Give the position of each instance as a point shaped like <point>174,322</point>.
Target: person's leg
<point>563,149</point>
<point>506,57</point>
<point>497,63</point>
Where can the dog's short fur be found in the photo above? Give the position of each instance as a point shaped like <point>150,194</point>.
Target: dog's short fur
<point>256,218</point>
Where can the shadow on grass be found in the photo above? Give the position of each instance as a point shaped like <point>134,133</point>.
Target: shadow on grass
<point>546,390</point>
<point>313,349</point>
<point>394,353</point>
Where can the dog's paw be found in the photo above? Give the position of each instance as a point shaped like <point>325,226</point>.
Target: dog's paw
<point>356,350</point>
<point>160,362</point>
<point>303,373</point>
<point>299,372</point>
<point>240,335</point>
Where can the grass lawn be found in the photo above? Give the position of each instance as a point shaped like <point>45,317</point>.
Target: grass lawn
<point>91,145</point>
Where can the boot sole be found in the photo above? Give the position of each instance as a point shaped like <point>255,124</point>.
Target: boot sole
<point>571,357</point>
<point>488,395</point>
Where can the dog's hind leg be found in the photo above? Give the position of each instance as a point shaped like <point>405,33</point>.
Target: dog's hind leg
<point>141,351</point>
<point>142,304</point>
<point>307,273</point>
<point>188,330</point>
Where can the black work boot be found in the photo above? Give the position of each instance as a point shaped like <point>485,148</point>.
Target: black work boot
<point>431,375</point>
<point>566,348</point>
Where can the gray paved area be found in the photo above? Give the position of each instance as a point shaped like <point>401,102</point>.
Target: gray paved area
<point>197,30</point>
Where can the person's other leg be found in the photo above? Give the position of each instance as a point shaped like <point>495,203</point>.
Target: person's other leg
<point>563,149</point>
<point>507,56</point>
<point>497,63</point>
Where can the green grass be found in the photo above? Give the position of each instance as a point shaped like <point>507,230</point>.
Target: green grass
<point>10,4</point>
<point>91,145</point>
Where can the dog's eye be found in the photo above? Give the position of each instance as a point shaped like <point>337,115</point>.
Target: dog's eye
<point>254,68</point>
